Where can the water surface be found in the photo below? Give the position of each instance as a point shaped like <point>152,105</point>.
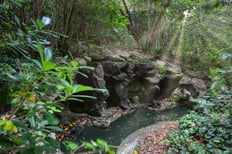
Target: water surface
<point>126,125</point>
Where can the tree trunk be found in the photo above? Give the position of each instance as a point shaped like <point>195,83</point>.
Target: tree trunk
<point>131,27</point>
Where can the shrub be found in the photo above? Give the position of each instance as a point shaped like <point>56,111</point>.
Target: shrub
<point>35,86</point>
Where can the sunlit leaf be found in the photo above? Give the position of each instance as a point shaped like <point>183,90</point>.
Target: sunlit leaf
<point>71,145</point>
<point>2,122</point>
<point>74,63</point>
<point>40,24</point>
<point>101,143</point>
<point>89,146</point>
<point>16,139</point>
<point>47,65</point>
<point>61,75</point>
<point>9,125</point>
<point>15,129</point>
<point>81,88</point>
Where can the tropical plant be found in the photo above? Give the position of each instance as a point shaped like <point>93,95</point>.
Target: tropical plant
<point>35,84</point>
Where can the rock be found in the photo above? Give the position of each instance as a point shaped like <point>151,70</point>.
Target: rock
<point>152,80</point>
<point>184,97</point>
<point>185,80</point>
<point>81,61</point>
<point>169,67</point>
<point>121,92</point>
<point>199,85</point>
<point>168,84</point>
<point>96,53</point>
<point>88,59</point>
<point>180,95</point>
<point>194,85</point>
<point>130,80</point>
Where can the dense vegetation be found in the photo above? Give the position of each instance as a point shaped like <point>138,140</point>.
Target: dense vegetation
<point>39,39</point>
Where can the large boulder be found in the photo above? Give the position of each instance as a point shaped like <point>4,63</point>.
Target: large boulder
<point>189,89</point>
<point>194,85</point>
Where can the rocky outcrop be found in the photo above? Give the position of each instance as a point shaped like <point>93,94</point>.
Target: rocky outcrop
<point>132,80</point>
<point>189,88</point>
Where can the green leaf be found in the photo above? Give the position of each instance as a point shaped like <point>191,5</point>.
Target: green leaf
<point>101,143</point>
<point>66,83</point>
<point>40,50</point>
<point>75,99</point>
<point>89,146</point>
<point>87,67</point>
<point>9,125</point>
<point>71,145</point>
<point>61,75</point>
<point>28,139</point>
<point>52,142</point>
<point>2,122</point>
<point>39,149</point>
<point>101,90</point>
<point>43,123</point>
<point>37,63</point>
<point>33,121</point>
<point>93,143</point>
<point>82,74</point>
<point>74,64</point>
<point>54,128</point>
<point>70,76</point>
<point>16,139</point>
<point>2,44</point>
<point>11,76</point>
<point>40,24</point>
<point>109,151</point>
<point>47,65</point>
<point>84,96</point>
<point>52,119</point>
<point>80,88</point>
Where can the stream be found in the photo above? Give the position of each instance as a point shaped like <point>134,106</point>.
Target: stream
<point>126,125</point>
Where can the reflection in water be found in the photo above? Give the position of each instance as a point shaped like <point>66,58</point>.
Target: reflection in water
<point>126,125</point>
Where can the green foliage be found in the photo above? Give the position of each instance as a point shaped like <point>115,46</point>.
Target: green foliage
<point>97,21</point>
<point>100,147</point>
<point>36,84</point>
<point>207,37</point>
<point>162,69</point>
<point>208,128</point>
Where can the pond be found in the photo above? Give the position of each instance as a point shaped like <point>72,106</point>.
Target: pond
<point>126,125</point>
